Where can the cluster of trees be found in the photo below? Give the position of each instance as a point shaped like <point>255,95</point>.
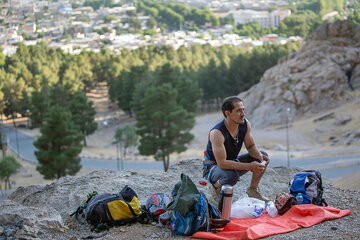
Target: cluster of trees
<point>307,15</point>
<point>217,72</point>
<point>355,17</point>
<point>96,4</point>
<point>301,24</point>
<point>164,86</point>
<point>49,86</point>
<point>165,15</point>
<point>175,15</point>
<point>317,6</point>
<point>354,9</point>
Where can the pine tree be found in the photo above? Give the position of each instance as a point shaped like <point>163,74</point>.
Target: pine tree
<point>125,86</point>
<point>83,114</point>
<point>59,145</point>
<point>163,124</point>
<point>39,104</point>
<point>12,91</point>
<point>61,95</point>
<point>188,91</point>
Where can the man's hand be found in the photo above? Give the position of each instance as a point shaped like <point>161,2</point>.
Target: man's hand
<point>257,167</point>
<point>265,160</point>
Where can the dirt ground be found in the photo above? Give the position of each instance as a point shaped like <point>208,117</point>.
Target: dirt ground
<point>307,134</point>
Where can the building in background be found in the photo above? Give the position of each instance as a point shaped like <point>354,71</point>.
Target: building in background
<point>264,18</point>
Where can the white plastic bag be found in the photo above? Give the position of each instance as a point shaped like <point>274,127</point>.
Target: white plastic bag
<point>247,208</point>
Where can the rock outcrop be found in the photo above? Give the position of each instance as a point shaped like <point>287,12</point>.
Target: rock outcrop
<point>43,211</point>
<point>320,75</point>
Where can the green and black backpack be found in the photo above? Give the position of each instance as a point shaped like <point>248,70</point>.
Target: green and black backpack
<point>107,209</point>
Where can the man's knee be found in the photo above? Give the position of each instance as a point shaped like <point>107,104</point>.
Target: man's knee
<point>264,153</point>
<point>230,178</point>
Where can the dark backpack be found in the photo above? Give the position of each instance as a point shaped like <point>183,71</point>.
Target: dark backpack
<point>309,184</point>
<point>107,209</point>
<point>194,221</point>
<point>190,210</point>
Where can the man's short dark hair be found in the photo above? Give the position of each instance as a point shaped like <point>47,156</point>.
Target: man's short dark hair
<point>228,103</point>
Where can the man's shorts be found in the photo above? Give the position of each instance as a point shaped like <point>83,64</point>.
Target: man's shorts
<point>231,177</point>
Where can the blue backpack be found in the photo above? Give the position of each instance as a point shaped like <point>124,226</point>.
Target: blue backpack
<point>194,221</point>
<point>191,212</point>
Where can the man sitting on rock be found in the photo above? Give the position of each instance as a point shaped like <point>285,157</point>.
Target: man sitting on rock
<point>222,165</point>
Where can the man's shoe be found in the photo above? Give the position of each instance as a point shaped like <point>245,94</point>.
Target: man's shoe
<point>214,194</point>
<point>254,193</point>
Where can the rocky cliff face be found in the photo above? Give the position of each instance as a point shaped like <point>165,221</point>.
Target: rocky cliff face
<point>321,75</point>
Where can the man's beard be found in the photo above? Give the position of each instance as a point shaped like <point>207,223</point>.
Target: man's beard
<point>241,121</point>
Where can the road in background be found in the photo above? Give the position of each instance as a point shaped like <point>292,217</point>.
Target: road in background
<point>27,149</point>
<point>25,143</point>
<point>330,166</point>
<point>333,166</point>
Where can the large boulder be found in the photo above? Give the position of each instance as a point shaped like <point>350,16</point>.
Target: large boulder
<point>319,75</point>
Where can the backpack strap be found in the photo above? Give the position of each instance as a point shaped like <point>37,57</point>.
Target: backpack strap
<point>99,227</point>
<point>83,204</point>
<point>323,203</point>
<point>145,216</point>
<point>207,212</point>
<point>78,211</point>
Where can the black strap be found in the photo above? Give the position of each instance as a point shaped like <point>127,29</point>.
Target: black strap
<point>323,203</point>
<point>226,194</point>
<point>74,212</point>
<point>98,228</point>
<point>208,227</point>
<point>77,212</point>
<point>131,209</point>
<point>107,210</point>
<point>76,216</point>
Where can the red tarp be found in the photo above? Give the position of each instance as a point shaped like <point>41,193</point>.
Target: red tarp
<point>298,216</point>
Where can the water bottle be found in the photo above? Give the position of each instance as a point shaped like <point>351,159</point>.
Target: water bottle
<point>225,201</point>
<point>299,198</point>
<point>271,209</point>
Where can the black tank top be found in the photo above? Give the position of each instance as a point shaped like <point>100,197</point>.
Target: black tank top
<point>232,146</point>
